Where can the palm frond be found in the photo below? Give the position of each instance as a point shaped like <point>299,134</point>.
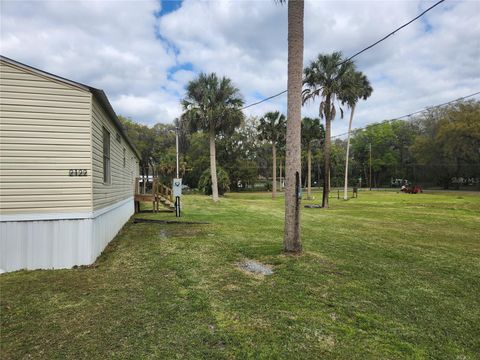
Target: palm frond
<point>211,101</point>
<point>321,111</point>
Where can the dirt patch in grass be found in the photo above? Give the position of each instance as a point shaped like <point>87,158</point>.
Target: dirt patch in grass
<point>255,268</point>
<point>166,231</point>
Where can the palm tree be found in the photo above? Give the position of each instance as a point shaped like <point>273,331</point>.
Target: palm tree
<point>359,88</point>
<point>325,78</point>
<point>212,105</point>
<point>291,241</point>
<point>281,161</point>
<point>272,128</point>
<point>312,130</point>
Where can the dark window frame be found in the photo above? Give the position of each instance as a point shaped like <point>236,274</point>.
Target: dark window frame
<point>107,168</point>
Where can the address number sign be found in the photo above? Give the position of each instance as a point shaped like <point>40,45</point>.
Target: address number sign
<point>77,172</point>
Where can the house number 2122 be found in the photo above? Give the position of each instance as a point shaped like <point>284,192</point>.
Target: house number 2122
<point>77,172</point>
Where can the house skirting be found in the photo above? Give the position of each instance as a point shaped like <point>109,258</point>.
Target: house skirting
<point>59,241</point>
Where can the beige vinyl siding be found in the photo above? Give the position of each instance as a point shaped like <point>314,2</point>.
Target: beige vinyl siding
<point>121,185</point>
<point>44,131</point>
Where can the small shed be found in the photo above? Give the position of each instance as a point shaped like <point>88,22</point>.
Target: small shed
<point>67,170</point>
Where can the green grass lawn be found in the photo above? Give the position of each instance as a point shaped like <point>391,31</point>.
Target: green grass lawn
<point>384,276</point>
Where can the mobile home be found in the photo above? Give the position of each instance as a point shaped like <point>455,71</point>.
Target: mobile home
<point>67,170</point>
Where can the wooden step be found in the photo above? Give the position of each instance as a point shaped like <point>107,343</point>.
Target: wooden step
<point>144,197</point>
<point>170,204</point>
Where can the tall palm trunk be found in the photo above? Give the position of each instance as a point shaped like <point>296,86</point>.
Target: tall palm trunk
<point>213,164</point>
<point>294,106</point>
<point>326,173</point>
<point>309,171</point>
<point>145,186</point>
<point>280,182</point>
<point>345,187</point>
<point>274,177</point>
<point>329,180</point>
<point>143,179</point>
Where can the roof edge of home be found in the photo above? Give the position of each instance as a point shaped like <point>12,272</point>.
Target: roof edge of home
<point>98,93</point>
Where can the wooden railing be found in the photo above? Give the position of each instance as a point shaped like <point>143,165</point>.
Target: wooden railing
<point>158,194</point>
<point>162,190</point>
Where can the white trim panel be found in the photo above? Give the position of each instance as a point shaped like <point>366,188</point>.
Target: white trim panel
<point>63,216</point>
<point>53,244</point>
<point>60,244</point>
<point>45,217</point>
<point>107,224</point>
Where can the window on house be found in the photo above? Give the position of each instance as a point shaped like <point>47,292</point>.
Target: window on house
<point>124,157</point>
<point>132,167</point>
<point>106,157</point>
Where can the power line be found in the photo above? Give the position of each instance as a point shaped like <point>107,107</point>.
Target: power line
<point>390,34</point>
<point>356,54</point>
<point>266,99</point>
<point>410,114</point>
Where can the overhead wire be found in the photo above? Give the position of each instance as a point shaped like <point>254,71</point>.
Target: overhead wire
<point>356,54</point>
<point>266,99</point>
<point>409,114</point>
<point>390,34</point>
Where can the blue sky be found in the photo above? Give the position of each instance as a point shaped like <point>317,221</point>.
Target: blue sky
<point>168,6</point>
<point>143,53</point>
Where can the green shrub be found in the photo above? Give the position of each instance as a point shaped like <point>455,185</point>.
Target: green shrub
<point>205,182</point>
<point>268,186</point>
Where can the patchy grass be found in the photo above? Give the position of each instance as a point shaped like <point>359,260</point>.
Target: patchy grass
<point>383,276</point>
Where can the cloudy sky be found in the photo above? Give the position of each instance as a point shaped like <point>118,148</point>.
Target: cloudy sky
<point>143,53</point>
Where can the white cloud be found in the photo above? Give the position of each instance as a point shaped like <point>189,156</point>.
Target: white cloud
<point>106,44</point>
<point>113,45</point>
<point>155,106</point>
<point>236,39</point>
<point>247,41</point>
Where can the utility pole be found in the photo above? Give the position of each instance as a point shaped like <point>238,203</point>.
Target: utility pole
<point>176,147</point>
<point>370,177</point>
<point>177,197</point>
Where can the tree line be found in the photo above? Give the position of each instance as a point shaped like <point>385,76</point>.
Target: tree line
<point>439,148</point>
